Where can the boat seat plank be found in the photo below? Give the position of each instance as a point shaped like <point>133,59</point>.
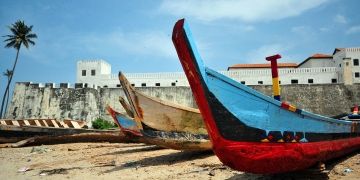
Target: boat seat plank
<point>27,122</point>
<point>15,123</point>
<point>37,122</point>
<point>75,124</point>
<point>3,122</point>
<point>46,124</point>
<point>63,124</point>
<point>54,123</point>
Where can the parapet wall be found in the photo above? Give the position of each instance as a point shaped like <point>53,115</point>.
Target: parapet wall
<point>32,101</point>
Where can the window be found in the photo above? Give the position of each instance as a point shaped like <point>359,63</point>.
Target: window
<point>83,72</point>
<point>260,82</point>
<point>242,82</point>
<point>132,85</point>
<point>173,84</point>
<point>93,72</point>
<point>310,81</point>
<point>333,80</point>
<point>294,81</point>
<point>279,82</point>
<point>118,85</point>
<point>143,84</point>
<point>339,65</point>
<point>347,63</point>
<point>357,74</point>
<point>105,86</point>
<point>157,84</point>
<point>86,85</point>
<point>356,62</point>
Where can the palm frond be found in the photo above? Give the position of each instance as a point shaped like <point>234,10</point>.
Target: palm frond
<point>31,42</point>
<point>20,34</point>
<point>10,44</point>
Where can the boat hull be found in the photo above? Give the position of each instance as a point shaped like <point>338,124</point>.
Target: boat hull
<point>254,133</point>
<point>162,115</point>
<point>172,140</point>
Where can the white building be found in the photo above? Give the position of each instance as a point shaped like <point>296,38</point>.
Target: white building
<point>340,67</point>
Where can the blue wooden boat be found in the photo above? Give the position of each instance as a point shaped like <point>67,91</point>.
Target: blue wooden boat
<point>253,132</point>
<point>173,140</point>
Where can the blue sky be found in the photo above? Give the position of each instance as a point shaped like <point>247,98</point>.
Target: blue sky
<point>135,36</point>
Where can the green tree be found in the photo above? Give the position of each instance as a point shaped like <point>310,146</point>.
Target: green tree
<point>20,35</point>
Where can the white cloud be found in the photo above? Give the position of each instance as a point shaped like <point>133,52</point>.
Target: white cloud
<point>353,30</point>
<point>341,19</point>
<point>258,55</point>
<point>153,43</point>
<point>244,10</point>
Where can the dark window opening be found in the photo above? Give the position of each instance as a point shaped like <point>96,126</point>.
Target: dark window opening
<point>157,84</point>
<point>294,81</point>
<point>339,65</point>
<point>356,62</point>
<point>357,74</point>
<point>105,86</point>
<point>118,85</point>
<point>279,82</point>
<point>260,82</point>
<point>173,84</point>
<point>310,81</point>
<point>143,84</point>
<point>333,80</point>
<point>133,85</point>
<point>93,72</point>
<point>83,72</point>
<point>86,85</point>
<point>347,63</point>
<point>242,82</point>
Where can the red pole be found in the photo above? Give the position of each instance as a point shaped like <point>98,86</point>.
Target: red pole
<point>275,75</point>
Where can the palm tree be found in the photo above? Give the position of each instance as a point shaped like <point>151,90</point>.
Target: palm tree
<point>21,35</point>
<point>8,74</point>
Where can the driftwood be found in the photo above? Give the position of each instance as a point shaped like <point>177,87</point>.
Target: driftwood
<point>106,136</point>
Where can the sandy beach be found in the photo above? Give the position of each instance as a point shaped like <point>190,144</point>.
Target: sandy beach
<point>139,161</point>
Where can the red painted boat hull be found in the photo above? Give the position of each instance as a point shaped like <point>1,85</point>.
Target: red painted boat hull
<point>270,158</point>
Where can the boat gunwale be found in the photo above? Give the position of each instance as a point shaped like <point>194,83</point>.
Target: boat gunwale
<point>167,103</point>
<point>268,98</point>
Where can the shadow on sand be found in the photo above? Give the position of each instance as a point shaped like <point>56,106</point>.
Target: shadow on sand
<point>167,159</point>
<point>142,149</point>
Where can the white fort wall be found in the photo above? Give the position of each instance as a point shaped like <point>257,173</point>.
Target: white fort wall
<point>322,75</point>
<point>340,68</point>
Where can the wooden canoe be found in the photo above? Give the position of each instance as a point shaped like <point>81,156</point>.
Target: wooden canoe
<point>16,130</point>
<point>162,115</point>
<point>253,132</point>
<point>173,140</point>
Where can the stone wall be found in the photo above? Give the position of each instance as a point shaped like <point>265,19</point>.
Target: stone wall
<point>32,101</point>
